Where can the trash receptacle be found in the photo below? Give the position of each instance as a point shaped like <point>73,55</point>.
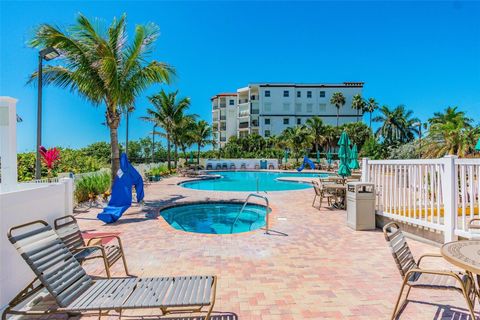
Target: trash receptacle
<point>361,205</point>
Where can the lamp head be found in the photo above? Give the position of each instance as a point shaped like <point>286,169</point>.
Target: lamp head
<point>49,54</point>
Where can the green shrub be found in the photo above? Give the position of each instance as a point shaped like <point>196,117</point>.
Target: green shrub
<point>159,171</point>
<point>95,184</point>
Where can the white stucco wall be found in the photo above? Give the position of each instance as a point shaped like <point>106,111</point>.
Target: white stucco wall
<point>27,203</point>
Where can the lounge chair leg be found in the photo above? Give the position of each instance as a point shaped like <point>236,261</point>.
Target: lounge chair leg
<point>313,203</point>
<point>214,292</point>
<point>125,264</point>
<point>469,302</point>
<point>394,314</point>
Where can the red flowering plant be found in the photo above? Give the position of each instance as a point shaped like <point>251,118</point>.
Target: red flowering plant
<point>50,158</point>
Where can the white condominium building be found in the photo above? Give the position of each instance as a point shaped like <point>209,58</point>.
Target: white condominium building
<point>270,108</point>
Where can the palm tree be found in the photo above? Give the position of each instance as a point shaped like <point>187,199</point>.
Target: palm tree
<point>101,66</point>
<point>338,99</point>
<point>397,125</point>
<point>370,107</point>
<point>451,132</point>
<point>184,133</point>
<point>298,139</point>
<point>167,113</point>
<point>202,136</point>
<point>317,129</point>
<point>358,104</point>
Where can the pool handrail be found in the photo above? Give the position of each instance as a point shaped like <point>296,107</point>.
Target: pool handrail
<point>245,204</point>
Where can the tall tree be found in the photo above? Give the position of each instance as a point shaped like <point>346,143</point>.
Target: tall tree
<point>358,103</point>
<point>397,125</point>
<point>166,113</point>
<point>338,99</point>
<point>370,107</point>
<point>103,67</point>
<point>317,129</point>
<point>298,139</point>
<point>202,133</point>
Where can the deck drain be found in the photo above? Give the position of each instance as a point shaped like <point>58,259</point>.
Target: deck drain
<point>282,219</point>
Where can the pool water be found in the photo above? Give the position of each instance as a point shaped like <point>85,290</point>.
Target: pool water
<point>248,180</point>
<point>215,217</point>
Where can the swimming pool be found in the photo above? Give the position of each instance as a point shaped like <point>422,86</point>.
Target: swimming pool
<point>215,217</point>
<point>248,181</point>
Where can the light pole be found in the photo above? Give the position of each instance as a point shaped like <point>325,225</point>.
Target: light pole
<point>153,143</point>
<point>46,54</point>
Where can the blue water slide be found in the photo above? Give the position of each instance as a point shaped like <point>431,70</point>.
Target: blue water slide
<point>121,198</point>
<point>306,161</point>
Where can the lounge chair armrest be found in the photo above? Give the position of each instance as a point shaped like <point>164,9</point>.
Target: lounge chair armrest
<point>436,272</point>
<point>103,237</point>
<point>429,255</point>
<point>87,247</point>
<point>473,225</point>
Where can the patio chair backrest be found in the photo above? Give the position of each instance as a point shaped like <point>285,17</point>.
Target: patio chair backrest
<point>68,230</point>
<point>398,245</point>
<point>317,189</point>
<point>50,260</point>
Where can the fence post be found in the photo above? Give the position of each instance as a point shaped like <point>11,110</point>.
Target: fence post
<point>365,172</point>
<point>450,187</point>
<point>68,187</point>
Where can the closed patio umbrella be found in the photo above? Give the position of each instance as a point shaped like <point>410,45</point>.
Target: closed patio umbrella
<point>354,159</point>
<point>477,146</point>
<point>318,156</point>
<point>344,155</point>
<point>329,157</point>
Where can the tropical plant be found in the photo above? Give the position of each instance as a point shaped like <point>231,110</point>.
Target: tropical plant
<point>166,112</point>
<point>370,106</point>
<point>50,158</point>
<point>183,135</point>
<point>397,125</point>
<point>299,140</point>
<point>202,133</point>
<point>451,132</point>
<point>103,67</point>
<point>358,103</point>
<point>358,133</point>
<point>317,130</point>
<point>338,99</point>
<point>90,186</point>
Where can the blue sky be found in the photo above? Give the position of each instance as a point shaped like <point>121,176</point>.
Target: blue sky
<point>425,55</point>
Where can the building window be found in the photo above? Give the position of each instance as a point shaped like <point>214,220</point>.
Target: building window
<point>299,121</point>
<point>267,120</point>
<point>299,94</point>
<point>267,133</point>
<point>309,94</point>
<point>286,107</point>
<point>267,93</point>
<point>267,107</point>
<point>286,93</point>
<point>323,107</point>
<point>310,107</point>
<point>322,94</point>
<point>298,107</point>
<point>231,102</point>
<point>286,121</point>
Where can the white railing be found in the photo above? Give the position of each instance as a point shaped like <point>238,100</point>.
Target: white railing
<point>441,194</point>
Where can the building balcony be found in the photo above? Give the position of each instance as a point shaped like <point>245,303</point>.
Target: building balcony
<point>223,128</point>
<point>243,113</point>
<point>223,139</point>
<point>223,117</point>
<point>243,125</point>
<point>214,107</point>
<point>223,105</point>
<point>254,123</point>
<point>241,101</point>
<point>255,111</point>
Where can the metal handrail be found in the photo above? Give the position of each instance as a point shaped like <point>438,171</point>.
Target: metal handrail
<point>245,204</point>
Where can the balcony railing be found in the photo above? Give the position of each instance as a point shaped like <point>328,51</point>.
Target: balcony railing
<point>223,128</point>
<point>255,111</point>
<point>223,139</point>
<point>254,97</point>
<point>223,105</point>
<point>243,125</point>
<point>255,123</point>
<point>244,113</point>
<point>242,101</point>
<point>222,117</point>
<point>215,107</point>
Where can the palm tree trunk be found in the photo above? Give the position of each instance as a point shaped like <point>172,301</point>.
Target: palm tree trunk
<point>358,115</point>
<point>338,115</point>
<point>115,151</point>
<point>176,155</point>
<point>198,154</point>
<point>168,152</point>
<point>370,121</point>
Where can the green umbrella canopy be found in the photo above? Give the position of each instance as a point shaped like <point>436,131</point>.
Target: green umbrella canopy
<point>354,158</point>
<point>477,146</point>
<point>286,156</point>
<point>344,155</point>
<point>191,156</point>
<point>329,157</point>
<point>318,156</point>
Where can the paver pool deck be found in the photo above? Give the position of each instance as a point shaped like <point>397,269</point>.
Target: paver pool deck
<point>311,267</point>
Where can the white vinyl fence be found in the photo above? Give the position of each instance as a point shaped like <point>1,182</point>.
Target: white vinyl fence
<point>441,194</point>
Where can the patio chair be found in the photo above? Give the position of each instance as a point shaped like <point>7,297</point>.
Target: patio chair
<point>271,166</point>
<point>243,166</point>
<point>74,291</point>
<point>321,193</point>
<point>218,166</point>
<point>68,230</point>
<point>416,277</point>
<point>224,166</point>
<point>232,166</point>
<point>209,166</point>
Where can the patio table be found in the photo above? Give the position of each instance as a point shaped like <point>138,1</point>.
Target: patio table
<point>464,254</point>
<point>339,190</point>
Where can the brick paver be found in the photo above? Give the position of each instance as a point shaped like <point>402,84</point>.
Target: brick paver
<point>311,267</point>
